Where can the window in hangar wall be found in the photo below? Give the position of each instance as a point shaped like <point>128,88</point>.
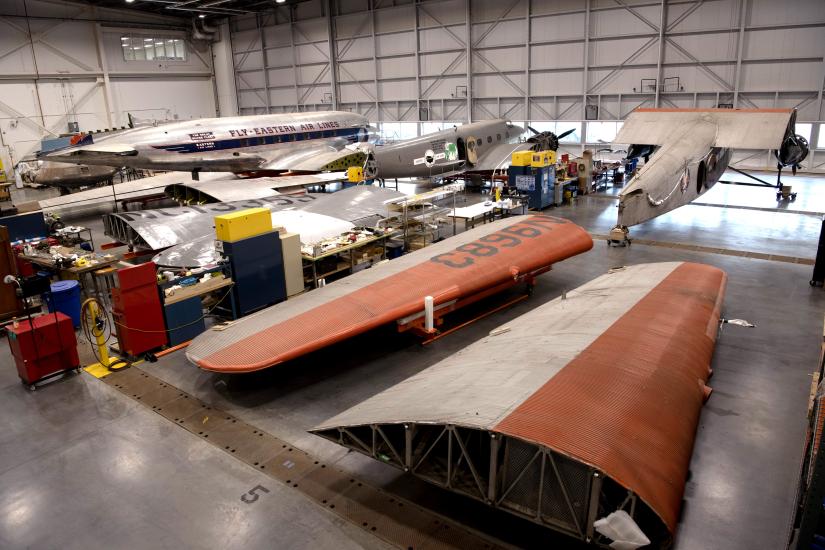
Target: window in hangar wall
<point>804,130</point>
<point>558,127</point>
<point>394,131</point>
<point>602,131</point>
<point>138,47</point>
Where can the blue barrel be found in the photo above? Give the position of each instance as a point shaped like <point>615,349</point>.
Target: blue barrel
<point>65,298</point>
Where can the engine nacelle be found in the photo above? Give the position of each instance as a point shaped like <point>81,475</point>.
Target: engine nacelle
<point>793,151</point>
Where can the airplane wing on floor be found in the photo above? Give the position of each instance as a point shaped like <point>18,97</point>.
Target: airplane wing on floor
<point>464,265</point>
<point>202,192</point>
<point>189,230</point>
<point>735,128</point>
<point>497,157</point>
<point>76,203</point>
<point>580,407</point>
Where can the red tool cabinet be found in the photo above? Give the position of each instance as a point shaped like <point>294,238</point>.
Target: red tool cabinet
<point>137,311</point>
<point>43,347</point>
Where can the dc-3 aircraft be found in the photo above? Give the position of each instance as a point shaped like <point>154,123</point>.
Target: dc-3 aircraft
<point>689,150</point>
<point>478,147</point>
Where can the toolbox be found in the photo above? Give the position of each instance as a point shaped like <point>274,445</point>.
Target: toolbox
<point>242,224</point>
<point>43,347</point>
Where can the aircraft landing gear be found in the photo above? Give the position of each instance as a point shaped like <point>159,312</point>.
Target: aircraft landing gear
<point>783,191</point>
<point>618,236</point>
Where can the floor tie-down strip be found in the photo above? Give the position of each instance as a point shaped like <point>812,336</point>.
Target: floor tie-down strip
<point>386,516</point>
<point>713,250</point>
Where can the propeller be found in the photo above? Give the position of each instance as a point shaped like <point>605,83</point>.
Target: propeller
<point>567,133</point>
<point>546,140</point>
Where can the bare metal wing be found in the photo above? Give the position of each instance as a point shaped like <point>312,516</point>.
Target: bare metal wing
<point>183,227</point>
<point>77,203</point>
<point>200,192</point>
<point>201,251</point>
<point>735,128</point>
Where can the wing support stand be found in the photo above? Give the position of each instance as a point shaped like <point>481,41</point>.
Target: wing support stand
<point>619,236</point>
<point>783,191</point>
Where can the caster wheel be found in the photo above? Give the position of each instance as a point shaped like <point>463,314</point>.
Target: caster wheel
<point>32,387</point>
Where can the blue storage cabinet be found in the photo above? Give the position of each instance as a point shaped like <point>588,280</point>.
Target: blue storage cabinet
<point>537,183</point>
<point>184,320</point>
<point>257,268</point>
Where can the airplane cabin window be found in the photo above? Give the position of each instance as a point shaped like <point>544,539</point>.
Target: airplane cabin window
<point>489,139</point>
<point>478,142</point>
<point>498,137</point>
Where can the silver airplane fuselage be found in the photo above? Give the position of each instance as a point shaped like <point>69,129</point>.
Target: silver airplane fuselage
<point>230,144</point>
<point>665,182</point>
<point>443,153</point>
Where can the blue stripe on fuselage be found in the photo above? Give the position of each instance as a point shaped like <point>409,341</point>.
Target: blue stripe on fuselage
<point>351,134</point>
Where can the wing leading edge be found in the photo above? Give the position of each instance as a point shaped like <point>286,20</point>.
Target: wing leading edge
<point>486,257</point>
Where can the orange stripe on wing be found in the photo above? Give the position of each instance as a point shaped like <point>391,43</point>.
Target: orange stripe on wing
<point>629,403</point>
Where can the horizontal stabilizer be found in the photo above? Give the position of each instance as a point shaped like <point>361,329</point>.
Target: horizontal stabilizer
<point>96,149</point>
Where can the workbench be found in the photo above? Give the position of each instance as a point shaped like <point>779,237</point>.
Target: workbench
<point>484,213</point>
<point>77,273</point>
<point>198,289</point>
<point>311,262</point>
<point>183,309</point>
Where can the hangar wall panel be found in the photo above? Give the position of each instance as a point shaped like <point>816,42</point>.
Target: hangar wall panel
<point>65,63</point>
<point>538,61</point>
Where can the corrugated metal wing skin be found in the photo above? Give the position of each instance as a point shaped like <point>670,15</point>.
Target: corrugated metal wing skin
<point>610,379</point>
<point>629,404</point>
<point>490,255</point>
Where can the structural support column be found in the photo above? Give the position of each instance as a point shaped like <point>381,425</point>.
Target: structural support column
<point>662,28</point>
<point>585,62</point>
<point>740,43</point>
<point>469,54</point>
<point>333,68</point>
<point>260,23</point>
<point>527,58</point>
<point>104,66</point>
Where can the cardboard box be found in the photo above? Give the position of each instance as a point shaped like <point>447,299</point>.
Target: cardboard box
<point>243,224</point>
<point>293,264</point>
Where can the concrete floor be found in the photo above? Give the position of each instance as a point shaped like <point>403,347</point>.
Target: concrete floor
<point>84,466</point>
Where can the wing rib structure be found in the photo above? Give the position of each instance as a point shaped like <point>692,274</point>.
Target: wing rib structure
<point>469,263</point>
<point>584,406</point>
